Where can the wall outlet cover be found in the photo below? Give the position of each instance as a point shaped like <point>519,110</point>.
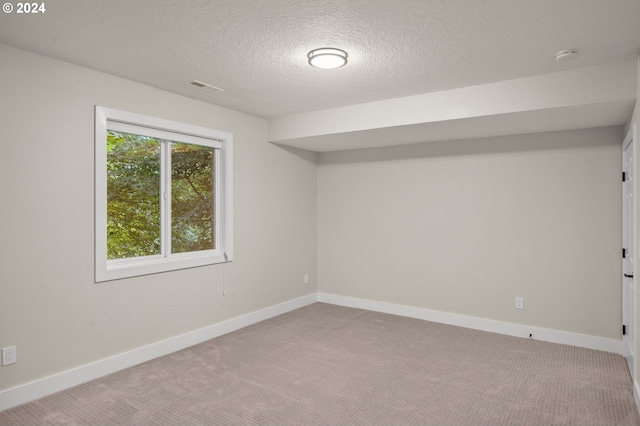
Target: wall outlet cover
<point>519,303</point>
<point>8,356</point>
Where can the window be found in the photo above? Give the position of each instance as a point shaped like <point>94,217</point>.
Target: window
<point>163,195</point>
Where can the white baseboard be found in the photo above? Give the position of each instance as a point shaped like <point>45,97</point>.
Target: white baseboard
<point>66,379</point>
<point>636,394</point>
<point>511,329</point>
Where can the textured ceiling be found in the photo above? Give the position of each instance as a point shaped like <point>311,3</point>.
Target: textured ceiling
<point>256,50</point>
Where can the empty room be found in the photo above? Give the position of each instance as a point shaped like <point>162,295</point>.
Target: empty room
<point>342,212</point>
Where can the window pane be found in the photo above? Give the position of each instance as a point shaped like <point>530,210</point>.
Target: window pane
<point>192,198</point>
<point>133,195</point>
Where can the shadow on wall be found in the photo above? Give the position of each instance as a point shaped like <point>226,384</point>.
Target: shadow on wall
<point>310,156</point>
<point>493,145</point>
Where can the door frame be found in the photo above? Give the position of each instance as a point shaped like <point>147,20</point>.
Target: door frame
<point>629,341</point>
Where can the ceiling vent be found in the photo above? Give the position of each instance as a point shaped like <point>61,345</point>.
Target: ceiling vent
<point>205,86</point>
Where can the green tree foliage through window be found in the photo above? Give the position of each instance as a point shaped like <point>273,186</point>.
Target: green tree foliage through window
<point>192,198</point>
<point>134,196</point>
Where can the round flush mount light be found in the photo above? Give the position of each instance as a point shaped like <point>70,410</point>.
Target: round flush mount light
<point>327,58</point>
<point>563,55</point>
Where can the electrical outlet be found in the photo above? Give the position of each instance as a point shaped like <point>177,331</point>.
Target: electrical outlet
<point>8,355</point>
<point>306,279</point>
<point>519,303</point>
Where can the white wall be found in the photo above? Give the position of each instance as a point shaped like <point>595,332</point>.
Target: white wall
<point>50,306</point>
<point>466,226</point>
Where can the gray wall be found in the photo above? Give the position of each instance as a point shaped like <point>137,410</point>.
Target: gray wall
<point>49,305</point>
<point>466,226</point>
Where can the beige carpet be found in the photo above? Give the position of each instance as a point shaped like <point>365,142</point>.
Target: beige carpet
<point>329,365</point>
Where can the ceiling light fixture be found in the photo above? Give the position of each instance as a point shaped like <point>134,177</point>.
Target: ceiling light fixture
<point>327,58</point>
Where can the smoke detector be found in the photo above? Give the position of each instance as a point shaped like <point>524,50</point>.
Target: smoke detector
<point>563,55</point>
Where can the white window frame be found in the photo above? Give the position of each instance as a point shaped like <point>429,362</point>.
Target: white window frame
<point>113,119</point>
